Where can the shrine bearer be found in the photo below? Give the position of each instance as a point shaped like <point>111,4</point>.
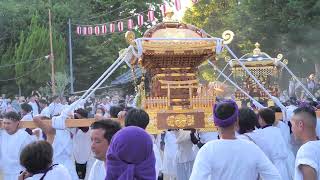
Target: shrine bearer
<point>138,117</point>
<point>60,138</point>
<point>101,133</point>
<point>307,165</point>
<point>169,167</point>
<point>230,158</point>
<point>12,141</point>
<point>272,143</point>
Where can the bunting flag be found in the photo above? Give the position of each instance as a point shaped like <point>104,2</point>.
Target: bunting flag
<point>150,15</point>
<point>130,24</point>
<point>177,3</point>
<point>120,26</point>
<point>140,20</point>
<point>163,9</point>
<point>78,30</point>
<point>90,30</point>
<point>84,30</point>
<point>97,30</point>
<point>112,28</point>
<point>104,29</point>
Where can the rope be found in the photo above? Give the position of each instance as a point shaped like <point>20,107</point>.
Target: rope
<point>142,12</point>
<point>235,85</point>
<point>23,62</point>
<point>274,99</point>
<point>26,74</point>
<point>224,68</point>
<point>107,13</point>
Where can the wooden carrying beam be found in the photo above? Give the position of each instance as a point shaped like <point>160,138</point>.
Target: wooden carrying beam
<point>87,122</point>
<point>69,123</point>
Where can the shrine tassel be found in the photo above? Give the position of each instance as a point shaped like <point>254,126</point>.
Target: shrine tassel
<point>97,30</point>
<point>104,29</point>
<point>120,26</point>
<point>79,30</point>
<point>177,4</point>
<point>130,24</point>
<point>150,15</point>
<point>140,20</point>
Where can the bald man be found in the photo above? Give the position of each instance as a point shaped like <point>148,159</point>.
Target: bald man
<point>304,122</point>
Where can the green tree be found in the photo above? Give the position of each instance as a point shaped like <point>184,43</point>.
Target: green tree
<point>36,46</point>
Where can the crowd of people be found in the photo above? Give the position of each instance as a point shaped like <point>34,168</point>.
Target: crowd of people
<point>248,144</point>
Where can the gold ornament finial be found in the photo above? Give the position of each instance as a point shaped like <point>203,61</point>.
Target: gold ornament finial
<point>130,37</point>
<point>227,36</point>
<point>257,50</point>
<point>168,17</point>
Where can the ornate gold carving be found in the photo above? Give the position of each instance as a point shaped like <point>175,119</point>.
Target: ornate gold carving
<point>180,120</point>
<point>279,56</point>
<point>179,47</point>
<point>130,37</point>
<point>227,36</point>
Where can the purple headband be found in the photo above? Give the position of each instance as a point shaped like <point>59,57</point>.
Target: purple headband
<point>230,120</point>
<point>130,155</point>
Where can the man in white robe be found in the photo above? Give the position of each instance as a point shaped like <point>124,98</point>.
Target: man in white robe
<point>185,154</point>
<point>101,133</point>
<point>307,165</point>
<point>45,111</point>
<point>12,140</point>
<point>36,158</point>
<point>138,117</point>
<point>55,107</point>
<point>81,146</point>
<point>60,138</point>
<point>34,105</point>
<point>271,142</point>
<point>169,167</point>
<point>230,158</point>
<point>26,112</point>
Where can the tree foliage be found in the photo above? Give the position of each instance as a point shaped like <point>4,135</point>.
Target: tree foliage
<point>24,36</point>
<point>290,27</point>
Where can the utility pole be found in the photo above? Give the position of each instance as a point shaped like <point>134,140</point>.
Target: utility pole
<point>70,58</point>
<point>53,85</point>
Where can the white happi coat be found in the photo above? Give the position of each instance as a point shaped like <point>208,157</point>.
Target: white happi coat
<point>308,154</point>
<point>62,146</point>
<point>58,172</point>
<point>169,154</point>
<point>82,149</point>
<point>271,142</point>
<point>98,171</point>
<point>62,151</point>
<point>27,117</point>
<point>157,155</point>
<point>11,147</point>
<point>232,159</point>
<point>35,108</point>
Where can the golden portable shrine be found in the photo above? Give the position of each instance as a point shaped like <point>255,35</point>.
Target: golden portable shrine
<point>261,66</point>
<point>169,89</point>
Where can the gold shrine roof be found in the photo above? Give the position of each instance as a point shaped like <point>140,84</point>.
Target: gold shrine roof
<point>176,47</point>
